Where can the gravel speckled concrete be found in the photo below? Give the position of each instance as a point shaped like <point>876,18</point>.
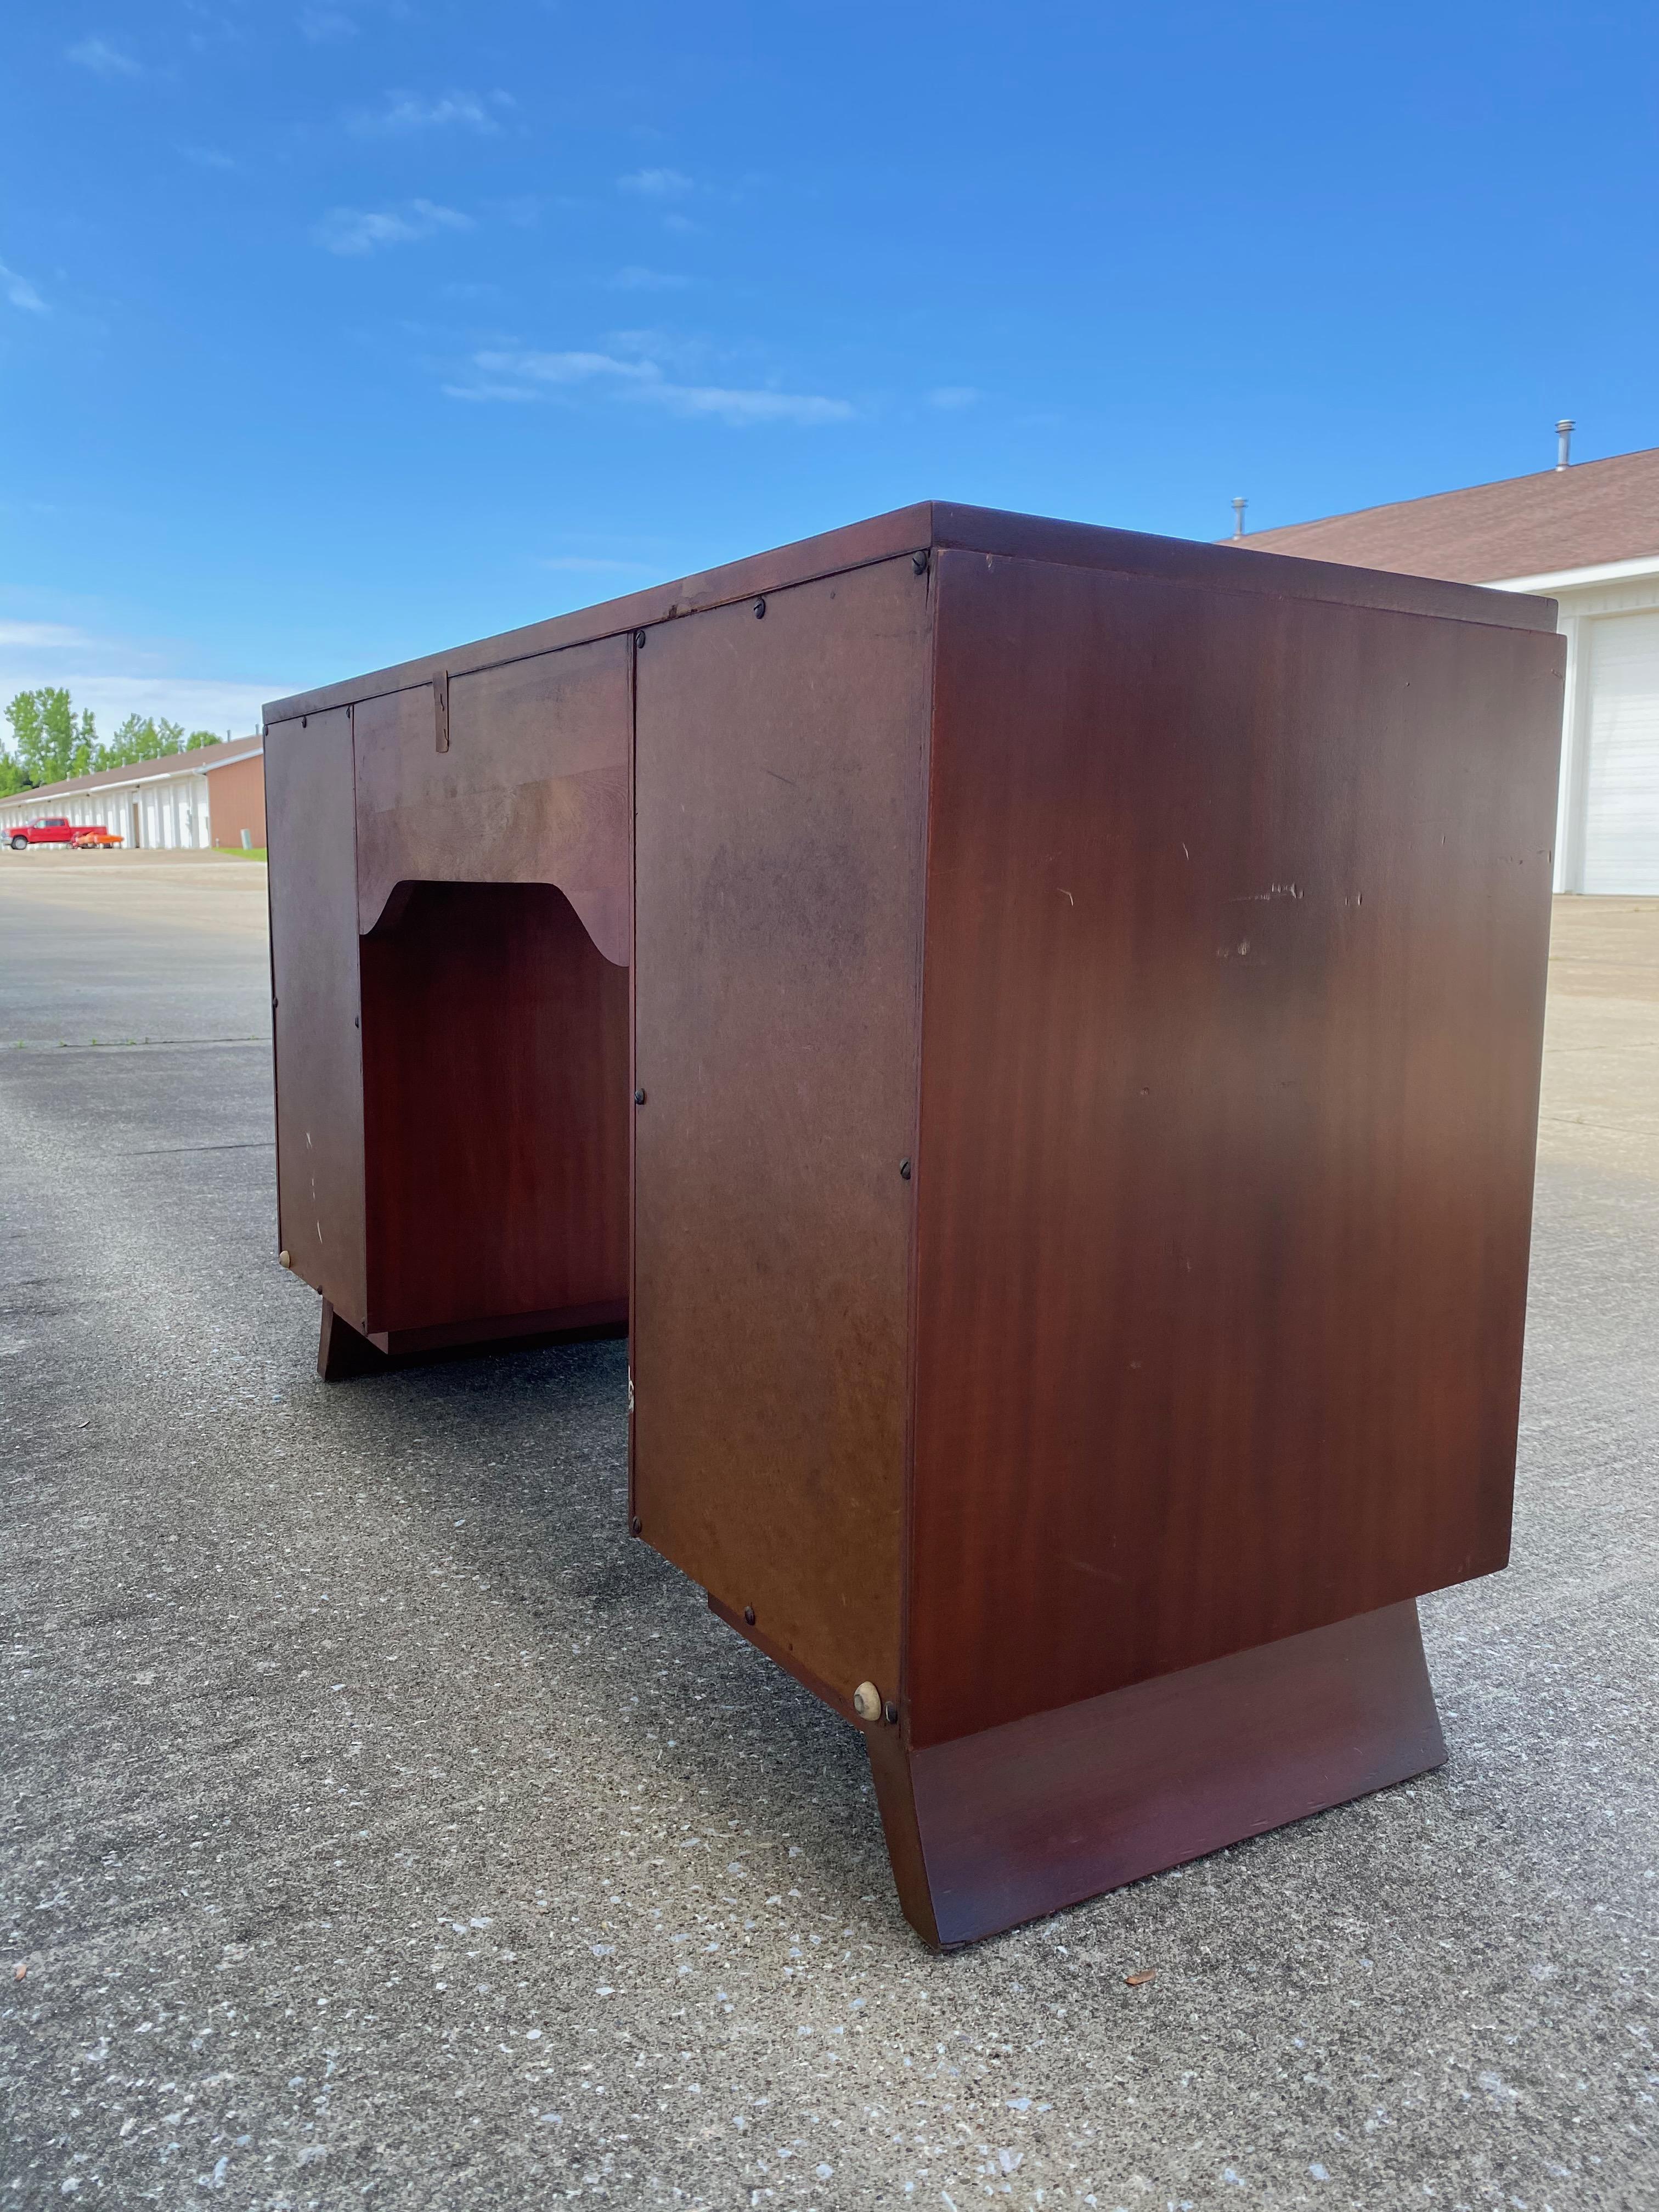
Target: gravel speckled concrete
<point>382,1825</point>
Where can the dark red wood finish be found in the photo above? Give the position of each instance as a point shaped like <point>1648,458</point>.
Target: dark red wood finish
<point>1237,920</point>
<point>344,1352</point>
<point>779,776</point>
<point>314,994</point>
<point>998,1827</point>
<point>466,1149</point>
<point>1179,921</point>
<point>532,789</point>
<point>495,1111</point>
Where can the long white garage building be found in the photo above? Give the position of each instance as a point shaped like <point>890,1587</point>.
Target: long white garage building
<point>207,797</point>
<point>1588,537</point>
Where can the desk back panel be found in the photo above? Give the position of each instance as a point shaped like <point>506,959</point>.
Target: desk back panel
<point>311,824</point>
<point>779,776</point>
<point>1237,920</point>
<point>532,787</point>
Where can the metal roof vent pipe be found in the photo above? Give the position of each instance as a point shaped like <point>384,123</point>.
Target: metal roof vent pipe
<point>1239,505</point>
<point>1564,430</point>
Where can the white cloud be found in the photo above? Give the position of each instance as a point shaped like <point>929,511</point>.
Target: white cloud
<point>953,395</point>
<point>407,111</point>
<point>196,701</point>
<point>656,184</point>
<point>364,230</point>
<point>120,676</point>
<point>20,293</point>
<point>564,368</point>
<point>104,60</point>
<point>325,25</point>
<point>518,376</point>
<point>647,280</point>
<point>492,392</point>
<point>41,637</point>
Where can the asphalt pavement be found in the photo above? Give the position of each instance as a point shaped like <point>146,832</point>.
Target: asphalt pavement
<point>380,1824</point>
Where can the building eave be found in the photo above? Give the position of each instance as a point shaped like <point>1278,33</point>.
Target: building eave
<point>1569,579</point>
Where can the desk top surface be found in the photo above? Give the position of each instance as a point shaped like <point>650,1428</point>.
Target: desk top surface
<point>940,525</point>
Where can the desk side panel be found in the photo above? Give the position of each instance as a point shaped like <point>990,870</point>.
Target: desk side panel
<point>312,830</point>
<point>1237,923</point>
<point>779,790</point>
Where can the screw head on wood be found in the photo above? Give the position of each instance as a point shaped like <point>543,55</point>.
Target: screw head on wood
<point>866,1702</point>
<point>639,637</point>
<point>919,561</point>
<point>749,1614</point>
<point>639,1098</point>
<point>634,1524</point>
<point>760,609</point>
<point>892,1714</point>
<point>905,1170</point>
<point>286,1259</point>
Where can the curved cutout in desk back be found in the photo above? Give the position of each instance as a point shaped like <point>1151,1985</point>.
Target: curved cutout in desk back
<point>533,788</point>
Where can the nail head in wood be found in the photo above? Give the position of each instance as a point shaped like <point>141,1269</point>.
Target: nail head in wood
<point>905,1170</point>
<point>749,1614</point>
<point>634,1524</point>
<point>760,609</point>
<point>639,1098</point>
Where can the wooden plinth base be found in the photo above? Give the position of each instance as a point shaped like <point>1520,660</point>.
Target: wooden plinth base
<point>993,1829</point>
<point>343,1351</point>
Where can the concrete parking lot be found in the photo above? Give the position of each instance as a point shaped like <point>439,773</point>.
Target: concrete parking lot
<point>382,1825</point>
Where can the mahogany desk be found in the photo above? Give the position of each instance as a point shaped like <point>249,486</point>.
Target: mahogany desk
<point>1081,997</point>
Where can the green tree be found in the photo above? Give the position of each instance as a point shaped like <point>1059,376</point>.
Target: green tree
<point>12,778</point>
<point>141,738</point>
<point>197,739</point>
<point>50,741</point>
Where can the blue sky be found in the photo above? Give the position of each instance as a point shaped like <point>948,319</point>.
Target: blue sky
<point>335,331</point>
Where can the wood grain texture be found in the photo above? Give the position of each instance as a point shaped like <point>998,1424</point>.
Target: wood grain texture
<point>1237,920</point>
<point>314,982</point>
<point>779,787</point>
<point>495,1099</point>
<point>1037,1814</point>
<point>602,1321</point>
<point>533,788</point>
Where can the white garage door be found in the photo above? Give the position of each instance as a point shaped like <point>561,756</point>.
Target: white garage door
<point>1621,793</point>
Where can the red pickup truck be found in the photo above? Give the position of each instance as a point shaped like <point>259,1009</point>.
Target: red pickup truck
<point>58,829</point>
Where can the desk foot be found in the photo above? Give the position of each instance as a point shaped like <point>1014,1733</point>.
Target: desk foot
<point>342,1351</point>
<point>1022,1819</point>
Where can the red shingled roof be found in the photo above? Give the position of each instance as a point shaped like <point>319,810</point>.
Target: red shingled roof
<point>1576,518</point>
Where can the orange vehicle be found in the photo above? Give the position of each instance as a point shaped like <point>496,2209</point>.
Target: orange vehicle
<point>95,839</point>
